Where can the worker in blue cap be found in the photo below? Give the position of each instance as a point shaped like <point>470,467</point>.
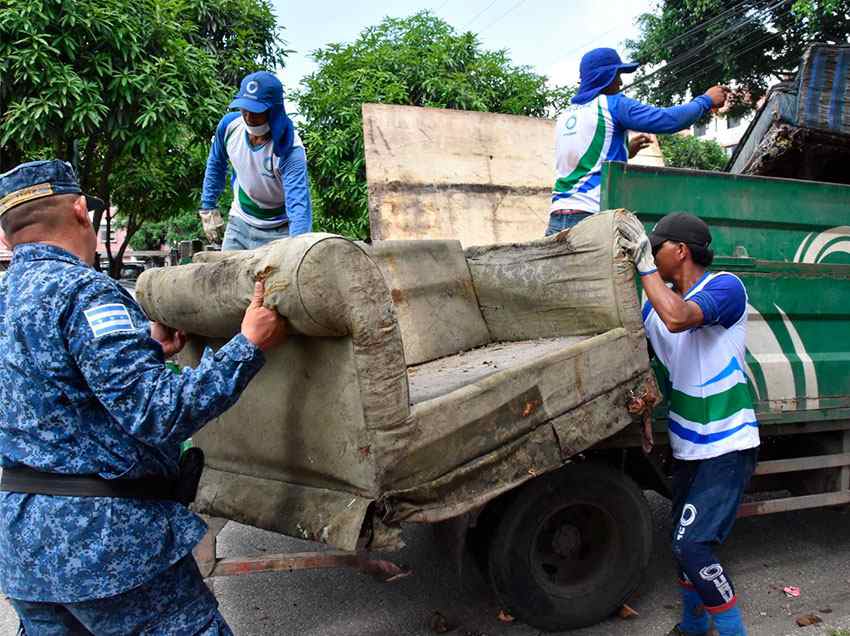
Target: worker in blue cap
<point>95,533</point>
<point>594,129</point>
<point>271,195</point>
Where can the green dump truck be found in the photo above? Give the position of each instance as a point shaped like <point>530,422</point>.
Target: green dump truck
<point>487,390</point>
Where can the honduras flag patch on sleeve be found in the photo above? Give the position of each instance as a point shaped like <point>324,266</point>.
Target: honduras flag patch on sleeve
<point>105,319</point>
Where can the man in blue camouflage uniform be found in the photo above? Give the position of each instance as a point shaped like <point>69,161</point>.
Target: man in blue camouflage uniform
<point>84,391</point>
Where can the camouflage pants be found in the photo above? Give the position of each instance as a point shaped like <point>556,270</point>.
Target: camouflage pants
<point>177,602</point>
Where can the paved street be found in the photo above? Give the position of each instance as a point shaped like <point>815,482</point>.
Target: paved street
<point>808,549</point>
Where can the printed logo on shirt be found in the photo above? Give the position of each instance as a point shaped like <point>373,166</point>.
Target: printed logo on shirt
<point>105,319</point>
<point>570,126</point>
<point>267,167</point>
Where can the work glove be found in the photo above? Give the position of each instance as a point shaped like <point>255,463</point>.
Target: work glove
<point>635,242</point>
<point>211,220</point>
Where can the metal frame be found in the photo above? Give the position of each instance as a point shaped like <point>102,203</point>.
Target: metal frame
<point>838,497</point>
<point>211,566</point>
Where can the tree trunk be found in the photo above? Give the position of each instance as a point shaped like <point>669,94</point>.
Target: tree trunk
<point>116,262</point>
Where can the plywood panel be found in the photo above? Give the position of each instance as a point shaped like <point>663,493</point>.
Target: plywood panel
<point>480,178</point>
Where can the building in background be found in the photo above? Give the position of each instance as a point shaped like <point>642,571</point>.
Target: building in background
<point>725,129</point>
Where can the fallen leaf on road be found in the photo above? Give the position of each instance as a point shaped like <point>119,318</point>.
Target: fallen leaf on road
<point>826,610</point>
<point>791,591</point>
<point>627,612</point>
<point>808,619</point>
<point>440,624</point>
<point>505,617</point>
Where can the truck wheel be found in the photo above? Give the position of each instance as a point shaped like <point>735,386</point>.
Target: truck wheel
<point>571,547</point>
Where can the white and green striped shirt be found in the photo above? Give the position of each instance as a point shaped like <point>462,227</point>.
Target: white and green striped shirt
<point>710,403</point>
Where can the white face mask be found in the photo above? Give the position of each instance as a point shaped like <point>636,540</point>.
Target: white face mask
<point>258,131</point>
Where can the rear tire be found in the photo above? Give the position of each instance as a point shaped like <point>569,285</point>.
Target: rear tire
<point>571,547</point>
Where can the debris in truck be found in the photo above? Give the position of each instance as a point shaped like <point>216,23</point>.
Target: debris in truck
<point>802,130</point>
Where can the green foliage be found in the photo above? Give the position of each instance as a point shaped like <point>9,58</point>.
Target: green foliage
<point>747,43</point>
<point>417,61</point>
<point>184,225</point>
<point>130,90</point>
<point>681,151</point>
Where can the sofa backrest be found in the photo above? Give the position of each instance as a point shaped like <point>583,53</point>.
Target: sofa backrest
<point>577,283</point>
<point>434,298</point>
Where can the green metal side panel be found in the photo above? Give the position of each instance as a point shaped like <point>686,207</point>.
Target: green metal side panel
<point>789,241</point>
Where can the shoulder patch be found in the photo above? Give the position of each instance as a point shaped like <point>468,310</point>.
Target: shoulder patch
<point>105,319</point>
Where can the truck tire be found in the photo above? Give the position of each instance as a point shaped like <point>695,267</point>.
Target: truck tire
<point>571,547</point>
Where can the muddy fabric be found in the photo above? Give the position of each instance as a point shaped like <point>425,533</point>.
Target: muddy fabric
<point>434,298</point>
<point>525,358</point>
<point>578,282</point>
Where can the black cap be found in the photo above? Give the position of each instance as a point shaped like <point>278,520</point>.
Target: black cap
<point>680,227</point>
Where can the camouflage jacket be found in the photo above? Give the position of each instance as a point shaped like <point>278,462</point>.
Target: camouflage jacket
<point>84,390</point>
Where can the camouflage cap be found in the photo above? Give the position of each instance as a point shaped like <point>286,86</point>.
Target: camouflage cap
<point>38,179</point>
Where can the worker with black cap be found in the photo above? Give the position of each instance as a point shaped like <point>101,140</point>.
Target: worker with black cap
<point>95,535</point>
<point>594,130</point>
<point>698,331</point>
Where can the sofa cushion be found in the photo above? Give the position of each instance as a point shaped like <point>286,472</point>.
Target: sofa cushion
<point>431,288</point>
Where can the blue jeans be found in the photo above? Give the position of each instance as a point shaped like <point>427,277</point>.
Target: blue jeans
<point>240,236</point>
<point>177,602</point>
<point>706,496</point>
<point>560,222</point>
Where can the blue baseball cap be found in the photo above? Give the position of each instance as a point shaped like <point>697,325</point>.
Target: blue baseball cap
<point>259,92</point>
<point>598,69</point>
<point>39,179</point>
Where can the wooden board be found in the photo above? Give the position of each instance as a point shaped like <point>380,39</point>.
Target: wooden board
<point>480,178</point>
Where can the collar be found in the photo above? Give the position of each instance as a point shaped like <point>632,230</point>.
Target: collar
<point>695,285</point>
<point>44,252</point>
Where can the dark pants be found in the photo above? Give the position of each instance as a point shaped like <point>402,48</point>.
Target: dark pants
<point>175,603</point>
<point>706,496</point>
<point>559,221</point>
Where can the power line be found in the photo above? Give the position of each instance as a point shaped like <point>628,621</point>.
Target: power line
<point>480,13</point>
<point>686,57</point>
<point>442,6</point>
<point>506,13</point>
<point>704,24</point>
<point>770,36</point>
<point>701,26</point>
<point>673,80</point>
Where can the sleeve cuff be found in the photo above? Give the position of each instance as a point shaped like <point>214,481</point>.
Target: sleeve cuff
<point>240,349</point>
<point>708,306</point>
<point>706,102</point>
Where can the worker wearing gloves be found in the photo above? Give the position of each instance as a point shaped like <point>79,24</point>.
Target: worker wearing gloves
<point>698,331</point>
<point>271,196</point>
<point>594,129</point>
<point>95,535</point>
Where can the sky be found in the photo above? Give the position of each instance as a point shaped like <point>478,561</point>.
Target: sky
<point>548,35</point>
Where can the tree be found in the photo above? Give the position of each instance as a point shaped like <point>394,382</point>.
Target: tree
<point>126,89</point>
<point>418,61</point>
<point>748,43</point>
<point>685,151</point>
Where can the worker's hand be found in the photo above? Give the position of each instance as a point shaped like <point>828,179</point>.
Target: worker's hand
<point>263,326</point>
<point>718,95</point>
<point>638,143</point>
<point>171,340</point>
<point>637,246</point>
<point>213,224</point>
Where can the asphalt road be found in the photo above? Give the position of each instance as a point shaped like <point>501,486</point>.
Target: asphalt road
<point>810,550</point>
